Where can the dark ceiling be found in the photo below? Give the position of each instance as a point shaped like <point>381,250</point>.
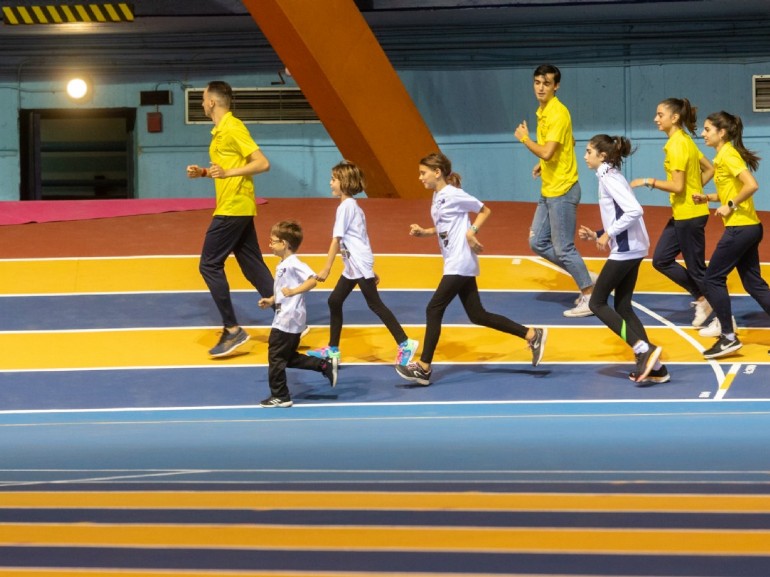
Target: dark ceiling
<point>176,36</point>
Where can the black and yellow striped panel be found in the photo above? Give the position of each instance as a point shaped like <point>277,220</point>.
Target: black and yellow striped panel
<point>64,14</point>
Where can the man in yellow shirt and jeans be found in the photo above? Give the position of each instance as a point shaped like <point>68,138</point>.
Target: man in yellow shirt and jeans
<point>552,235</point>
<point>235,159</point>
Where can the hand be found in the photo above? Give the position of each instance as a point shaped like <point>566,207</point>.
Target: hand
<point>266,302</point>
<point>723,211</point>
<point>416,230</point>
<point>473,242</point>
<point>603,242</point>
<point>637,182</point>
<point>586,233</point>
<point>323,275</point>
<point>522,132</point>
<point>216,171</point>
<point>287,292</point>
<point>700,198</point>
<point>537,170</point>
<point>194,171</point>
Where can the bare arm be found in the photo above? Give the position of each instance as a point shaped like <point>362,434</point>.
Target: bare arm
<point>257,163</point>
<point>334,249</point>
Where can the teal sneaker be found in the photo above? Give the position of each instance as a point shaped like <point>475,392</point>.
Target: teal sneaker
<point>325,353</point>
<point>406,352</point>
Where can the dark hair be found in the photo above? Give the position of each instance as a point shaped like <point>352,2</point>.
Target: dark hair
<point>289,231</point>
<point>223,90</point>
<point>351,177</point>
<point>616,148</point>
<point>688,114</point>
<point>544,69</point>
<point>438,161</point>
<point>733,127</point>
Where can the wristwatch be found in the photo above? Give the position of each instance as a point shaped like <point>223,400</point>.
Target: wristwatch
<point>731,205</point>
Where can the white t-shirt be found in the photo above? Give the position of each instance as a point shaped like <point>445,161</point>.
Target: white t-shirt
<point>290,313</point>
<point>449,211</point>
<point>356,252</point>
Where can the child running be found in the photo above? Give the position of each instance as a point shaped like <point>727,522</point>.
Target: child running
<point>350,239</point>
<point>459,248</point>
<point>293,278</point>
<point>625,235</point>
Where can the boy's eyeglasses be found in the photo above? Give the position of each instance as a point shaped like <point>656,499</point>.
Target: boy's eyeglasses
<point>275,241</point>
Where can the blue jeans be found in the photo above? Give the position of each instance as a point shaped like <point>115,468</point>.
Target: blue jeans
<point>552,235</point>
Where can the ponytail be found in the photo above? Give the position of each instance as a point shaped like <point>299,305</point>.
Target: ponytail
<point>615,148</point>
<point>688,114</point>
<point>437,161</point>
<point>733,127</point>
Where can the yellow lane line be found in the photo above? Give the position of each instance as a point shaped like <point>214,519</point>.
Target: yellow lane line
<point>367,538</point>
<point>409,501</point>
<point>180,273</point>
<point>25,572</point>
<point>187,347</point>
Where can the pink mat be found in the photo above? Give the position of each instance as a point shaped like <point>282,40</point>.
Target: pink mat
<point>22,212</point>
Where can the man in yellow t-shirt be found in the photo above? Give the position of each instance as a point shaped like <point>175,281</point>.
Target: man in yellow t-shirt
<point>235,159</point>
<point>552,235</point>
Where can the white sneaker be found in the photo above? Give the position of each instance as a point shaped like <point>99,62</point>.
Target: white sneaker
<point>715,328</point>
<point>703,311</point>
<point>581,310</point>
<point>594,276</point>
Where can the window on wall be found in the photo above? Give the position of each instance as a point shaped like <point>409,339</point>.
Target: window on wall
<point>77,154</point>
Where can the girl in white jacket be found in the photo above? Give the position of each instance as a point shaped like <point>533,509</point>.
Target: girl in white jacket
<point>625,236</point>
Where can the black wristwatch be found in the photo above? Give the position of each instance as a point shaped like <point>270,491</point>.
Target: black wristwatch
<point>731,205</point>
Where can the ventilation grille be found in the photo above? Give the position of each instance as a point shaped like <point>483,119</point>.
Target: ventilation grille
<point>256,105</point>
<point>761,86</point>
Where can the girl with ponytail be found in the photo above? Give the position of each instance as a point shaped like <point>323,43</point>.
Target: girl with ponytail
<point>625,236</point>
<point>450,210</point>
<point>739,246</point>
<point>687,170</point>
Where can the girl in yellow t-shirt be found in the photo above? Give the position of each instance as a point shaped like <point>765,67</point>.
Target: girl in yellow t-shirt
<point>739,245</point>
<point>687,170</point>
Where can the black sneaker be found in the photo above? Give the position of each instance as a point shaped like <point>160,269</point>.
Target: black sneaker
<point>537,344</point>
<point>655,377</point>
<point>645,362</point>
<point>415,373</point>
<point>229,342</point>
<point>276,403</point>
<point>722,347</point>
<point>329,368</point>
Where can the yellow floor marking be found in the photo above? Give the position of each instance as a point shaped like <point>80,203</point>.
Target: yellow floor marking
<point>25,572</point>
<point>460,344</point>
<point>476,539</point>
<point>387,501</point>
<point>396,272</point>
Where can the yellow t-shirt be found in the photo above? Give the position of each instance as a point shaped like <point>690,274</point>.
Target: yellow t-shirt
<point>231,145</point>
<point>728,164</point>
<point>554,124</point>
<point>682,154</point>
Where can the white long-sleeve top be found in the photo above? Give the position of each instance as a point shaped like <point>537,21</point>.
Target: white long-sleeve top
<point>622,215</point>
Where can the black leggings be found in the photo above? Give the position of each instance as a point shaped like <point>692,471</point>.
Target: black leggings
<point>452,285</point>
<point>620,276</point>
<point>368,287</point>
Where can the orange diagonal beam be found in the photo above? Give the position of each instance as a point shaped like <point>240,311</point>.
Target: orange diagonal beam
<point>349,81</point>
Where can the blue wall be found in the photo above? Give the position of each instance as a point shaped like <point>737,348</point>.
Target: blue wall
<point>472,114</point>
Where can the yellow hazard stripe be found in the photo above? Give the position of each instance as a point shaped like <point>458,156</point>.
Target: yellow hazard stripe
<point>53,14</point>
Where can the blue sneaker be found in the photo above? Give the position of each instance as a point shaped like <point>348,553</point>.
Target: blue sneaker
<point>406,352</point>
<point>325,353</point>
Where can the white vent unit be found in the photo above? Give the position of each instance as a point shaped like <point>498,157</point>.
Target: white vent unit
<point>761,93</point>
<point>256,105</point>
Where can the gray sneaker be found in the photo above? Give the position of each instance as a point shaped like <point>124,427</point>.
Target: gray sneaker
<point>537,344</point>
<point>229,342</point>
